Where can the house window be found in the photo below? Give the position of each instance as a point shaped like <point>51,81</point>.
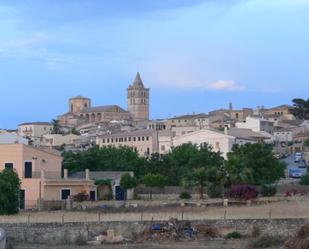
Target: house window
<point>112,140</point>
<point>108,140</point>
<point>8,165</point>
<point>147,138</point>
<point>125,139</point>
<point>139,138</point>
<point>28,169</point>
<point>148,151</point>
<point>116,140</point>
<point>103,141</point>
<point>65,193</point>
<point>162,147</point>
<point>129,139</point>
<point>134,139</point>
<point>237,115</point>
<point>143,138</point>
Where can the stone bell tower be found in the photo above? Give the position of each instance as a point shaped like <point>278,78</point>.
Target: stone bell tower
<point>138,100</point>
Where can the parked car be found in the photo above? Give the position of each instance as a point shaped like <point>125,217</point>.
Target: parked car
<point>296,173</point>
<point>298,157</point>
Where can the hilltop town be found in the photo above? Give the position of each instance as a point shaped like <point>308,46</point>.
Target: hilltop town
<point>111,160</point>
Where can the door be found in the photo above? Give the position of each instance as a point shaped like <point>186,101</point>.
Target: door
<point>28,169</point>
<point>92,195</point>
<point>65,193</point>
<point>22,199</point>
<point>119,194</point>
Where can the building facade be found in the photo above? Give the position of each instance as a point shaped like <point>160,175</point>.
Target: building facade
<point>40,175</point>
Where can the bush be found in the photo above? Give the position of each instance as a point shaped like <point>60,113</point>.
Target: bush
<point>267,241</point>
<point>233,235</point>
<point>304,180</point>
<point>214,191</point>
<point>242,192</point>
<point>268,190</point>
<point>185,195</point>
<point>82,196</point>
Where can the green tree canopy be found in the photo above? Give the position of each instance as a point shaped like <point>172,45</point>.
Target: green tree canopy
<point>105,159</point>
<point>253,164</point>
<point>301,108</point>
<point>56,126</point>
<point>9,192</point>
<point>154,180</point>
<point>127,181</point>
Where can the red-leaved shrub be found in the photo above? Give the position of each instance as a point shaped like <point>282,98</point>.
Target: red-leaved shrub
<point>242,192</point>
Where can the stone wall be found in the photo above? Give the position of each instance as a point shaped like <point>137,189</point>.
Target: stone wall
<point>58,233</point>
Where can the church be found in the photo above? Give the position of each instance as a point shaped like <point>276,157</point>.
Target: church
<point>81,112</point>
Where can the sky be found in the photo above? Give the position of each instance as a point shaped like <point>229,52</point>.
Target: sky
<point>194,55</point>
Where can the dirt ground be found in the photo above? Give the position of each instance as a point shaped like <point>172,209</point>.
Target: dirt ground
<point>231,244</point>
<point>297,208</point>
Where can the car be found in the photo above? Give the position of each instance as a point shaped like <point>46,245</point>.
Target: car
<point>296,173</point>
<point>298,157</point>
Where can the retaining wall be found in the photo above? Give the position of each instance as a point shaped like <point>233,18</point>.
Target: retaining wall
<point>57,233</point>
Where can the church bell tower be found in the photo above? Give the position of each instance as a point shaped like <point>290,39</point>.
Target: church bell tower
<point>138,100</point>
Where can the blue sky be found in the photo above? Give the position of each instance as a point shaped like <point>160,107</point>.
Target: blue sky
<point>195,55</point>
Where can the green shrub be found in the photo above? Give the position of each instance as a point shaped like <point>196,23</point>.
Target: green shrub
<point>215,191</point>
<point>268,190</point>
<point>185,195</point>
<point>233,235</point>
<point>304,180</point>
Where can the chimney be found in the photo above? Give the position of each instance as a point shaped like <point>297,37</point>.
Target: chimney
<point>87,174</point>
<point>65,173</point>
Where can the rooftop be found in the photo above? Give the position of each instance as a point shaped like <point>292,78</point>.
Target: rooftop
<point>35,123</point>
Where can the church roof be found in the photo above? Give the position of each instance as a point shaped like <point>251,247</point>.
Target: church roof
<point>103,108</point>
<point>137,83</point>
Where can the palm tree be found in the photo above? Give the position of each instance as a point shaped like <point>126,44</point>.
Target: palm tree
<point>56,126</point>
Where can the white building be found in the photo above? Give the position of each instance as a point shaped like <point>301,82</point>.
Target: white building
<point>257,124</point>
<point>11,138</point>
<point>34,131</point>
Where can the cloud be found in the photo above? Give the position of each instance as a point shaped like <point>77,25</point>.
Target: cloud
<point>225,85</point>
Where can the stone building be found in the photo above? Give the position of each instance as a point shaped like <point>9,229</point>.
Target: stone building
<point>138,100</point>
<point>81,112</point>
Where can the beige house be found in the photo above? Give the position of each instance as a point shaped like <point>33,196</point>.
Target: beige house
<point>40,174</point>
<point>56,140</point>
<point>145,142</point>
<point>34,131</point>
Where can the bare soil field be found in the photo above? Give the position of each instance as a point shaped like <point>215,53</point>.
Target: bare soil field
<point>295,208</point>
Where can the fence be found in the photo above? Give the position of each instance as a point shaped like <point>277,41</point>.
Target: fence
<point>281,210</point>
<point>2,238</point>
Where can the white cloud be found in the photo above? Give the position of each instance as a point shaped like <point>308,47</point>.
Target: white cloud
<point>225,85</point>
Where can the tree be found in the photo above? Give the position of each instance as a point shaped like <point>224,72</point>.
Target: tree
<point>197,178</point>
<point>105,159</point>
<point>253,164</point>
<point>127,182</point>
<point>9,192</point>
<point>301,108</point>
<point>56,126</point>
<point>154,180</point>
<point>306,143</point>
